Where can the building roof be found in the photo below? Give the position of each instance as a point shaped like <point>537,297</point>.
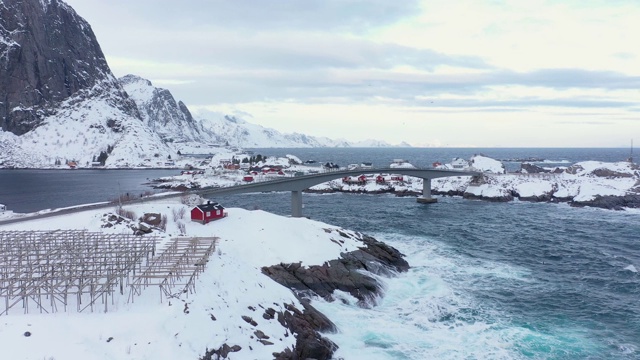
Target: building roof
<point>209,206</point>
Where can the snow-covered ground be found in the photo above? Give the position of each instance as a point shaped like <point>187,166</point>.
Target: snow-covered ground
<point>581,182</point>
<point>231,286</point>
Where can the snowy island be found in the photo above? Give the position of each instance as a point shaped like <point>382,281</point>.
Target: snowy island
<point>588,183</point>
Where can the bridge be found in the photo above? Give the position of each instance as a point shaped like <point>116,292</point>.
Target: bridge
<point>299,183</point>
<point>294,184</point>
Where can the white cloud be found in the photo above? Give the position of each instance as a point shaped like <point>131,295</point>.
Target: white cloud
<point>528,35</point>
<point>525,73</point>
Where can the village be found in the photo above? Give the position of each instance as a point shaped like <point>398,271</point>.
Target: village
<point>248,168</point>
<point>587,183</point>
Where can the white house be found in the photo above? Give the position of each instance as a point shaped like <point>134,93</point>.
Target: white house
<point>458,163</point>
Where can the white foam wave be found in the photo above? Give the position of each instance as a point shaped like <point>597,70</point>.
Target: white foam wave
<point>429,312</point>
<point>418,319</point>
<point>422,315</point>
<point>555,162</point>
<point>631,268</point>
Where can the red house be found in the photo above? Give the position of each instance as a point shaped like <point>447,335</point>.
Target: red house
<point>207,212</point>
<point>360,180</point>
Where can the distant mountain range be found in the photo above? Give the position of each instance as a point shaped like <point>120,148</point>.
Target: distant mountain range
<point>60,102</point>
<point>174,123</point>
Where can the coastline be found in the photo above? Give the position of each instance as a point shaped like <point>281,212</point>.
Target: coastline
<point>232,294</point>
<point>612,186</point>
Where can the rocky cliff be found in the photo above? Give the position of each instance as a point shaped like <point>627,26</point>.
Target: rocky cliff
<point>352,273</point>
<point>47,54</point>
<point>168,118</point>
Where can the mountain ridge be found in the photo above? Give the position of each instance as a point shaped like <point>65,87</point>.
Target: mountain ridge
<point>61,103</point>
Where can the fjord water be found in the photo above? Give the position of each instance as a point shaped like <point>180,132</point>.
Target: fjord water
<point>488,280</point>
<point>33,190</point>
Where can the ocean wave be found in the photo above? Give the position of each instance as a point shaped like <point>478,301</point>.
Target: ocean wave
<point>546,161</point>
<point>431,312</point>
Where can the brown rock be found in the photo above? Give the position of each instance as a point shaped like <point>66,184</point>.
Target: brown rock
<point>153,219</point>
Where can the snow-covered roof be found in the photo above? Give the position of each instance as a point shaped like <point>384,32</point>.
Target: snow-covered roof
<point>210,206</point>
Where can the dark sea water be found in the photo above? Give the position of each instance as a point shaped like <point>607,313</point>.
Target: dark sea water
<point>425,157</point>
<point>488,280</point>
<point>33,190</point>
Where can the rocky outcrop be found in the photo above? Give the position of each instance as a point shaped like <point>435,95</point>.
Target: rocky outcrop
<point>611,202</point>
<point>546,197</point>
<point>348,274</point>
<point>47,54</point>
<point>574,169</point>
<point>504,198</point>
<point>307,325</point>
<point>532,169</point>
<point>608,173</point>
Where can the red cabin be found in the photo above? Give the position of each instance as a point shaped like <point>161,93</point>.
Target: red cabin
<point>247,178</point>
<point>207,212</point>
<point>360,180</point>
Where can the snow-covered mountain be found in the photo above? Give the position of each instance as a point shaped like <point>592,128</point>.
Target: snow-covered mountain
<point>171,120</point>
<point>61,104</point>
<point>83,128</point>
<point>376,143</point>
<point>239,133</point>
<point>48,53</point>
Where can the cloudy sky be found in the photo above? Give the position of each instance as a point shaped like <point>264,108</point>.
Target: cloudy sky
<point>431,73</point>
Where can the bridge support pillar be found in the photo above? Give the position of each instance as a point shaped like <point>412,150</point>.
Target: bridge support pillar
<point>426,193</point>
<point>296,204</point>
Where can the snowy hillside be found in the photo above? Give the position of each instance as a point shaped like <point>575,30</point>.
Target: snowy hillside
<point>376,143</point>
<point>234,307</point>
<point>82,127</point>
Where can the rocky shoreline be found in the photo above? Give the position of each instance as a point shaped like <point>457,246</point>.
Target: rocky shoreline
<point>602,202</point>
<point>307,326</point>
<point>348,274</point>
